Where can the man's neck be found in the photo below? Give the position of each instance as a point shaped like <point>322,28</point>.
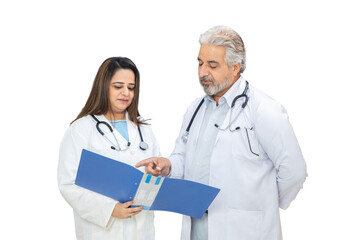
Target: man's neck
<point>217,96</point>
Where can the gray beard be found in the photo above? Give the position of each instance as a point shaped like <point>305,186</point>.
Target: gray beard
<point>216,88</point>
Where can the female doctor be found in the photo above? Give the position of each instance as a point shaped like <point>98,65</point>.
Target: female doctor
<point>110,125</point>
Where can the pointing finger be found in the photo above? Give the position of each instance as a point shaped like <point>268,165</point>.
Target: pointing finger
<point>144,162</point>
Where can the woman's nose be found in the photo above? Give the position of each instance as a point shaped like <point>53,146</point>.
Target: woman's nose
<point>125,91</point>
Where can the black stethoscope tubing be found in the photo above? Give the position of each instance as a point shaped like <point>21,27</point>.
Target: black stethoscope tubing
<point>242,95</point>
<point>142,145</point>
<point>186,134</point>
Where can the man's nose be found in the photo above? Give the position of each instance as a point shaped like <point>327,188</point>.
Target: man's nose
<point>203,71</point>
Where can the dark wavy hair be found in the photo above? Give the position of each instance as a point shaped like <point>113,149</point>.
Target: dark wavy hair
<point>98,102</point>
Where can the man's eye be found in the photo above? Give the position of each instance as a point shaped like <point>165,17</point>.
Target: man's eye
<point>213,67</point>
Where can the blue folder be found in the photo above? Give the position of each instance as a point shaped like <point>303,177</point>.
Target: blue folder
<point>120,181</point>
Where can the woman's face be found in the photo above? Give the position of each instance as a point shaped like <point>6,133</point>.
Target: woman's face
<point>121,92</point>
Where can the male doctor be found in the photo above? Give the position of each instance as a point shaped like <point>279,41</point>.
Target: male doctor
<point>238,139</point>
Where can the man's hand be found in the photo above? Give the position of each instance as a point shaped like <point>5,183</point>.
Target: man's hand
<point>156,166</point>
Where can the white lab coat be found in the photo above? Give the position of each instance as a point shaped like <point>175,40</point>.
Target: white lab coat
<point>92,211</point>
<point>252,187</point>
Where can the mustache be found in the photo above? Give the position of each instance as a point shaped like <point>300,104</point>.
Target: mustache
<point>207,79</point>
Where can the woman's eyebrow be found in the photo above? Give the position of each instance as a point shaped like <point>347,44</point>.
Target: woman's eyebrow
<point>123,83</point>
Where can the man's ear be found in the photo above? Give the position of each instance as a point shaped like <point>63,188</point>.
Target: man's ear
<point>236,69</point>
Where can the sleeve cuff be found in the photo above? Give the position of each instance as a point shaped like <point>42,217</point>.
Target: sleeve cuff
<point>110,218</point>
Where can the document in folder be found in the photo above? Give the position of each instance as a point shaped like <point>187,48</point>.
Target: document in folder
<point>124,183</point>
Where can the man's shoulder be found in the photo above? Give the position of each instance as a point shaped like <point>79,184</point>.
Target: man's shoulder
<point>265,108</point>
<point>259,99</point>
<point>194,104</point>
<point>197,103</point>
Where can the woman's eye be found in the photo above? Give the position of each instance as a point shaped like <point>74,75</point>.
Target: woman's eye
<point>117,87</point>
<point>131,88</point>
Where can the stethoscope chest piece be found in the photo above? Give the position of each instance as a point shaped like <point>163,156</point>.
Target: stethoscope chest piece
<point>143,145</point>
<point>185,137</point>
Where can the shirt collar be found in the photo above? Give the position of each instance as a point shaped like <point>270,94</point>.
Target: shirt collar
<point>103,118</point>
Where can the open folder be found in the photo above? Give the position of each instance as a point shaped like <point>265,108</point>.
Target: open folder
<point>124,183</point>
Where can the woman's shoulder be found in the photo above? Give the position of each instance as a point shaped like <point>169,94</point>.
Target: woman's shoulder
<point>82,124</point>
<point>79,129</point>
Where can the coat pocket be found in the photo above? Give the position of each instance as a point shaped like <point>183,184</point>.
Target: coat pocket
<point>245,145</point>
<point>244,225</point>
<point>252,142</point>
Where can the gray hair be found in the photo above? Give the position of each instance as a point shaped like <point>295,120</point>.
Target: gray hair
<point>231,40</point>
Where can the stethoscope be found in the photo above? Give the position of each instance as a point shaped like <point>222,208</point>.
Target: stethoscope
<point>142,145</point>
<point>185,136</point>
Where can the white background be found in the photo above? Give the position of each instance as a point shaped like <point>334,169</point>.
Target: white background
<point>305,54</point>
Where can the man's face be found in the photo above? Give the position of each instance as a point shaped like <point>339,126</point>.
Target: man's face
<point>214,74</point>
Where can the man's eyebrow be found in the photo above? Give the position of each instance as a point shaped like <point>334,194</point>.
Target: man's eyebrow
<point>211,61</point>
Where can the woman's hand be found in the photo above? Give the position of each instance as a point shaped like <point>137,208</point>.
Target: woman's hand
<point>123,210</point>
